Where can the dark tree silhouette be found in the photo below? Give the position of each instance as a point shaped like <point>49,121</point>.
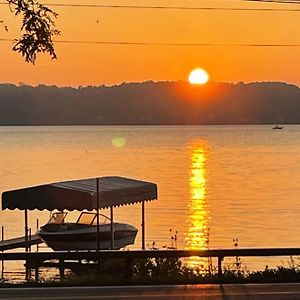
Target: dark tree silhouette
<point>151,103</point>
<point>38,29</point>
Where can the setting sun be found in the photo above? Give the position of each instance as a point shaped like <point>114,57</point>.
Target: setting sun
<point>198,76</point>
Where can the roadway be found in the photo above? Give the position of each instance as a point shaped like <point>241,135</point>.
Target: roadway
<point>188,292</point>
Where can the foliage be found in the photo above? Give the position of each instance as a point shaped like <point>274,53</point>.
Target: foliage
<point>158,268</point>
<point>161,104</point>
<point>279,274</point>
<point>162,271</point>
<point>38,29</point>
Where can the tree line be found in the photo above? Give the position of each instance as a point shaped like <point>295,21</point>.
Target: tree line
<point>151,103</point>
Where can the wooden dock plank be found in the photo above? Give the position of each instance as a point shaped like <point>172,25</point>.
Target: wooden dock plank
<point>19,242</point>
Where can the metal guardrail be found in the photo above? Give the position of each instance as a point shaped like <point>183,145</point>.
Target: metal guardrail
<point>75,255</point>
<point>36,259</point>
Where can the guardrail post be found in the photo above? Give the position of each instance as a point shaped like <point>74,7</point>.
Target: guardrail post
<point>220,259</point>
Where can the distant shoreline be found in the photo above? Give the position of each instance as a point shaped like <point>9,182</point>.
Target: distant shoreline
<point>142,125</point>
<point>151,104</point>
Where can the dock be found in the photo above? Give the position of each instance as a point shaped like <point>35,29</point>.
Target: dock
<point>19,242</point>
<point>81,259</point>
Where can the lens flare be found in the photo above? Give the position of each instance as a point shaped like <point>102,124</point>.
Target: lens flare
<point>118,141</point>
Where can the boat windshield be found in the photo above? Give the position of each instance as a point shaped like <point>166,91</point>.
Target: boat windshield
<point>89,218</point>
<point>58,217</point>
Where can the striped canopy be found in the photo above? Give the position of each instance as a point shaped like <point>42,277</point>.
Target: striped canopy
<point>80,194</point>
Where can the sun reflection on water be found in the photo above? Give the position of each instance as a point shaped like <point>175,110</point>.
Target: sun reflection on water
<point>197,235</point>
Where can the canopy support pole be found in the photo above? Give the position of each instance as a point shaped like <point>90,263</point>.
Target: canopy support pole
<point>98,223</point>
<point>112,232</point>
<point>143,225</point>
<point>26,229</point>
<point>26,243</point>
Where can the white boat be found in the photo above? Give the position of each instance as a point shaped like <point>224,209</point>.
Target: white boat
<point>278,127</point>
<point>83,194</point>
<point>82,234</point>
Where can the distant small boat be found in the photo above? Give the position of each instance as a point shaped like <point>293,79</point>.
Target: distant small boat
<point>278,127</point>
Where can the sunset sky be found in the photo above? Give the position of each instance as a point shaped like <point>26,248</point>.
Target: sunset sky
<point>96,64</point>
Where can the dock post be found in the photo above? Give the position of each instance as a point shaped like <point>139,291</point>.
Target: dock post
<point>220,259</point>
<point>28,264</point>
<point>2,262</point>
<point>112,233</point>
<point>36,274</point>
<point>143,225</point>
<point>61,269</point>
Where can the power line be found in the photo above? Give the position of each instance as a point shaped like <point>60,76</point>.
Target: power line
<point>173,7</point>
<point>128,43</point>
<point>168,7</point>
<point>275,1</point>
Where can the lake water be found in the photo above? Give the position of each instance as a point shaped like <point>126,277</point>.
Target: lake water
<point>216,183</point>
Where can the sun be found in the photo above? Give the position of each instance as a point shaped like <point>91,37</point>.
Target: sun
<point>198,76</point>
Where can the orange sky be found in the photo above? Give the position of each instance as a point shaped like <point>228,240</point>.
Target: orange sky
<point>111,64</point>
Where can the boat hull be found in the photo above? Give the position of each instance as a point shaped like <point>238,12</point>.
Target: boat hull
<point>85,238</point>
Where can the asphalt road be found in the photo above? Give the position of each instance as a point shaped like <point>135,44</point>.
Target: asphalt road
<point>207,292</point>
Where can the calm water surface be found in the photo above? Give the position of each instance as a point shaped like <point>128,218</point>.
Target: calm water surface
<point>216,183</point>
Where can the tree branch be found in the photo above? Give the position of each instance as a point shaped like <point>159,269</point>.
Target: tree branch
<point>38,29</point>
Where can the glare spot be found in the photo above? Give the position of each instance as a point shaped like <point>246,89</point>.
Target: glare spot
<point>118,141</point>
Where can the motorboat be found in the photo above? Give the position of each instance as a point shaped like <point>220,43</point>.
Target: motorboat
<point>82,234</point>
<point>278,127</point>
<point>90,194</point>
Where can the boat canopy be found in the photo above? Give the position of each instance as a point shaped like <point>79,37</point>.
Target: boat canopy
<point>80,194</point>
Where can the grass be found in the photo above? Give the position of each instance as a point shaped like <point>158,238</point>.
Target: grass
<point>166,271</point>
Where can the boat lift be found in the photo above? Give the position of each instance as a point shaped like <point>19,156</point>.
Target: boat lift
<point>83,194</point>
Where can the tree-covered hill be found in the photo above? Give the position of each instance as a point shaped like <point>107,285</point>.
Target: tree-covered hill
<point>151,103</point>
